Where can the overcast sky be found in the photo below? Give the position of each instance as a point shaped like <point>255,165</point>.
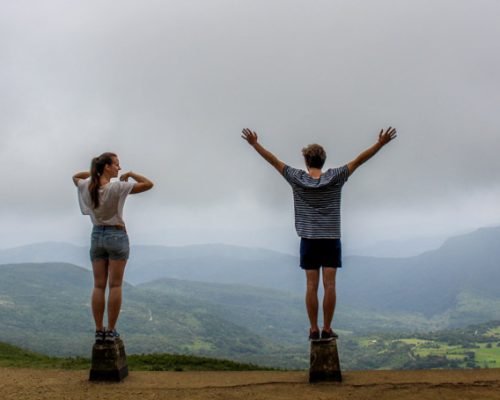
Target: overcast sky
<point>168,86</point>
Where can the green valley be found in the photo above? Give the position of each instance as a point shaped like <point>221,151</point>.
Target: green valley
<point>476,346</point>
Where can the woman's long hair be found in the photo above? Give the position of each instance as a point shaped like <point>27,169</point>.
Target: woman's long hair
<point>96,169</point>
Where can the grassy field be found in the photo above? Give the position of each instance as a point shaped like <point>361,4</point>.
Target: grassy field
<point>475,346</point>
<point>494,332</point>
<point>484,356</point>
<point>12,356</point>
<point>416,342</point>
<point>488,358</point>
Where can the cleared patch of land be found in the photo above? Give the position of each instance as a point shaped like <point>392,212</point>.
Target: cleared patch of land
<point>249,385</point>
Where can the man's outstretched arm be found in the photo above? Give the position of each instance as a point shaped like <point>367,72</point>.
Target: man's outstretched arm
<point>251,137</point>
<point>383,139</point>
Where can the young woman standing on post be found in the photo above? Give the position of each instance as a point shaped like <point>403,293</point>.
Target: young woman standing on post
<point>103,200</point>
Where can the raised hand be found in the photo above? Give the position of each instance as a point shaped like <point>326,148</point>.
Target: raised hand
<point>124,177</point>
<point>250,136</point>
<point>387,136</point>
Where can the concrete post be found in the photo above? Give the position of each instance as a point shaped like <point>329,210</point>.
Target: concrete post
<point>109,362</point>
<point>324,365</point>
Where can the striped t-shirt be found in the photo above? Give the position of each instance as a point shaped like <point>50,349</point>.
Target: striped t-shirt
<point>317,201</point>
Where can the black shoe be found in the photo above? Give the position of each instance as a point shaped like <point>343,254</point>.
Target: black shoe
<point>111,336</point>
<point>313,335</point>
<point>328,335</point>
<point>99,336</point>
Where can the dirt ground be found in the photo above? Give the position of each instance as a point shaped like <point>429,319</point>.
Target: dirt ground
<point>30,384</point>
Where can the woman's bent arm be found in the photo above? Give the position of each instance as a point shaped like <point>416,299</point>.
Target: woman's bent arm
<point>143,184</point>
<point>80,175</point>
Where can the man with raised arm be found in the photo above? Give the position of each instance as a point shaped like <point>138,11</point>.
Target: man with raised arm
<point>316,196</point>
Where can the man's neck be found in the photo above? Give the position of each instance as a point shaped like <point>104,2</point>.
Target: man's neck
<point>314,172</point>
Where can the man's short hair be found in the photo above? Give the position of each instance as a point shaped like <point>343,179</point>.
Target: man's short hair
<point>314,155</point>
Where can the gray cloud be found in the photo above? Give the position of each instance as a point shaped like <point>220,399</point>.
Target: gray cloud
<point>170,85</point>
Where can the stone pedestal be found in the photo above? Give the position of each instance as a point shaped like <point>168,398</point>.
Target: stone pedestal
<point>324,365</point>
<point>109,362</point>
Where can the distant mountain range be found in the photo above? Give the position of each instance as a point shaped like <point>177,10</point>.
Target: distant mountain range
<point>397,248</point>
<point>429,283</point>
<point>215,263</point>
<point>465,270</point>
<point>244,304</point>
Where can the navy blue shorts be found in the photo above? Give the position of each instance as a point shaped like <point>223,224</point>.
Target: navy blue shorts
<point>108,243</point>
<point>317,253</point>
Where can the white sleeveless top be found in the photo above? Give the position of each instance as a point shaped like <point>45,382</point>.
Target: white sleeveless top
<point>111,200</point>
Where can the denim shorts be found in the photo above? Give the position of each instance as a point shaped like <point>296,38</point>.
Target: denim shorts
<point>109,242</point>
<point>317,253</point>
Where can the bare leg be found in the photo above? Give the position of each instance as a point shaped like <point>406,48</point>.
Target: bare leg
<point>116,271</point>
<point>330,298</point>
<point>312,297</point>
<point>100,269</point>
